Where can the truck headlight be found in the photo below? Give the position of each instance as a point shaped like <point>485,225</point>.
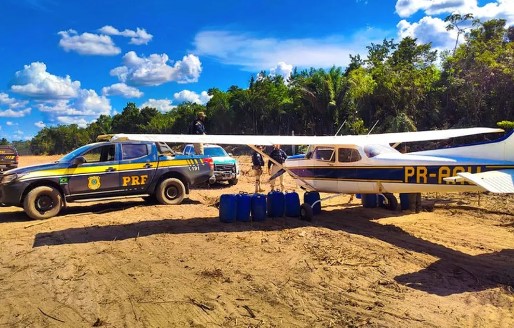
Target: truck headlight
<point>8,178</point>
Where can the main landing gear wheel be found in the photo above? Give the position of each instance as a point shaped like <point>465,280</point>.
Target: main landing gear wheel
<point>170,192</point>
<point>391,202</point>
<point>43,202</point>
<point>306,212</point>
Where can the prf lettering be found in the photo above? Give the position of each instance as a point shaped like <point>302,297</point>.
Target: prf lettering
<point>134,180</point>
<point>435,174</point>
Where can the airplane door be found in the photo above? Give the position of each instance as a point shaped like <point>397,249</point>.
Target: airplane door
<point>137,167</point>
<point>97,175</point>
<point>325,170</point>
<point>348,172</point>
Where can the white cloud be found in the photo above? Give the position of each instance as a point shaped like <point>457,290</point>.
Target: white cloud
<point>493,9</point>
<point>433,29</point>
<point>9,123</point>
<point>40,124</point>
<point>34,81</point>
<point>14,113</point>
<point>88,103</point>
<point>88,43</point>
<point>154,70</point>
<point>11,102</point>
<point>254,53</point>
<point>121,89</point>
<point>162,105</point>
<point>138,37</point>
<point>428,29</point>
<point>191,96</point>
<point>282,69</point>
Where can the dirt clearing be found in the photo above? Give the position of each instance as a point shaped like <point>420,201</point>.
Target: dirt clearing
<point>129,264</point>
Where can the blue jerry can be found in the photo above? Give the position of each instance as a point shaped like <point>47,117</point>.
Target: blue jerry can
<point>258,209</point>
<point>228,208</point>
<point>276,204</point>
<point>292,204</point>
<point>243,207</point>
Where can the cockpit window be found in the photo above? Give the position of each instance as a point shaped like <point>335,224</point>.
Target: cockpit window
<point>347,155</point>
<point>324,154</point>
<point>374,150</point>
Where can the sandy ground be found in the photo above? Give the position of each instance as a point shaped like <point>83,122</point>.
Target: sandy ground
<point>128,264</point>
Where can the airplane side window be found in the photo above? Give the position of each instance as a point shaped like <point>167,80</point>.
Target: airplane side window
<point>347,155</point>
<point>324,154</point>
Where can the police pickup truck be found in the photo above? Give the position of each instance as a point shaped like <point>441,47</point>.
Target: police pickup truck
<point>102,171</point>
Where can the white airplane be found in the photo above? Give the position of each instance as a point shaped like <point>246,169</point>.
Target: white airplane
<point>368,164</point>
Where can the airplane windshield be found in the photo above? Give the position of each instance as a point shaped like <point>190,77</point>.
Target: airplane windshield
<point>374,150</point>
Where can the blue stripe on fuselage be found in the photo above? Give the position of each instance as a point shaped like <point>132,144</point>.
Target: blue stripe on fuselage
<point>421,174</point>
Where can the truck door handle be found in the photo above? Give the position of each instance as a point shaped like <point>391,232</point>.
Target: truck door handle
<point>110,169</point>
<point>148,165</point>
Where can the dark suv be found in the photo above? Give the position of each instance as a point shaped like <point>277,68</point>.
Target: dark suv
<point>8,157</point>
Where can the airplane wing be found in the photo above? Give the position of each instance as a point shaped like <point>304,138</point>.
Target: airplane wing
<point>267,140</point>
<point>500,181</point>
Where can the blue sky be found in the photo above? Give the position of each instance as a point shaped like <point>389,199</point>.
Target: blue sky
<point>64,62</point>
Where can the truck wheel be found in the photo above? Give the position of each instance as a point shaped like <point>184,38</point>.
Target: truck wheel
<point>43,202</point>
<point>170,192</point>
<point>232,182</point>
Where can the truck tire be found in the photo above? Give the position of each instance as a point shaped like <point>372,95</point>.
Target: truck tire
<point>43,202</point>
<point>232,182</point>
<point>170,192</point>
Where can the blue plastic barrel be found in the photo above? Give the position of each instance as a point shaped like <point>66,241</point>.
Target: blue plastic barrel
<point>243,207</point>
<point>292,204</point>
<point>228,208</point>
<point>310,197</point>
<point>276,204</point>
<point>404,202</point>
<point>258,207</point>
<point>370,200</point>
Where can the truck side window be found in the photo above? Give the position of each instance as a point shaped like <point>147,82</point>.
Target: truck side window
<point>130,151</point>
<point>100,154</point>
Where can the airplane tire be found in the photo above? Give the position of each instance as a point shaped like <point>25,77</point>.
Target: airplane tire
<point>170,192</point>
<point>43,202</point>
<point>306,212</point>
<point>392,202</point>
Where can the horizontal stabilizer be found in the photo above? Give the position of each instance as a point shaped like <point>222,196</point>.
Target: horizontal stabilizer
<point>501,181</point>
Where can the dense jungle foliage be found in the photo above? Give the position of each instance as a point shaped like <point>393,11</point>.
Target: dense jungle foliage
<point>403,86</point>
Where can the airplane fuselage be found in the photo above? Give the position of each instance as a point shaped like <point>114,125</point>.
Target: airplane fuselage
<point>382,169</point>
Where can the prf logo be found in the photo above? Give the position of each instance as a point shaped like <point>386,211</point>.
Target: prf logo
<point>93,183</point>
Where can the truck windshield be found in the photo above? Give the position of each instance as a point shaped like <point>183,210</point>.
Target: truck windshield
<point>215,152</point>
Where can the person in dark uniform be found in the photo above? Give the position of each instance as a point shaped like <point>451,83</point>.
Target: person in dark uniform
<point>279,156</point>
<point>198,127</point>
<point>257,164</point>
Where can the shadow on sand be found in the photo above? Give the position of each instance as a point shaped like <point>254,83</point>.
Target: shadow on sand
<point>454,272</point>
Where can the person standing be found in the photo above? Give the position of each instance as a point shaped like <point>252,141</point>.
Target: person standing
<point>257,164</point>
<point>198,127</point>
<point>279,156</point>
